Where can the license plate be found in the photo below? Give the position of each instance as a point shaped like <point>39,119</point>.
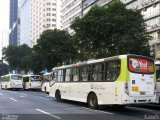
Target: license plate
<point>142,93</point>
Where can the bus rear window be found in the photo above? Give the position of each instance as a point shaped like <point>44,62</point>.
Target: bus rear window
<point>36,78</point>
<point>16,77</point>
<point>140,65</point>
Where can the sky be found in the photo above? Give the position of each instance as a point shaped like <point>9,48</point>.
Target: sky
<point>4,19</point>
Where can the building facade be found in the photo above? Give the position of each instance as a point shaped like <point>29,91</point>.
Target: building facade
<point>70,9</point>
<point>150,10</point>
<point>37,16</point>
<point>13,22</point>
<point>25,22</point>
<point>5,38</point>
<point>43,15</point>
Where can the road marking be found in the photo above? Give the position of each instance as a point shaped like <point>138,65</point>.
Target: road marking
<point>22,96</point>
<point>48,114</point>
<point>98,111</point>
<point>13,99</point>
<point>1,94</point>
<point>42,98</point>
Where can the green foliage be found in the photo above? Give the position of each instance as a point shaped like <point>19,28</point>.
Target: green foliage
<point>111,30</point>
<point>55,47</point>
<point>17,57</point>
<point>3,68</point>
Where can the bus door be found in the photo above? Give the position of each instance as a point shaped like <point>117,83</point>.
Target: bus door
<point>26,82</point>
<point>141,77</point>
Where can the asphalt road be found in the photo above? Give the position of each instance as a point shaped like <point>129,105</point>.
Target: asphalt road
<point>35,105</point>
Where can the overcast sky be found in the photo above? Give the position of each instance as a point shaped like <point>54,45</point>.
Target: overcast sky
<point>4,19</point>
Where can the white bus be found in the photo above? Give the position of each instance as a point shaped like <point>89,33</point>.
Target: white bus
<point>118,80</point>
<point>32,82</point>
<point>45,82</point>
<point>11,81</point>
<point>157,64</point>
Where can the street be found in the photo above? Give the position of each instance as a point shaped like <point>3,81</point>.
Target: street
<point>25,105</point>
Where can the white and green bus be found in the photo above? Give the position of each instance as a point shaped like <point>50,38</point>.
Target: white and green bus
<point>45,82</point>
<point>118,80</point>
<point>32,82</point>
<point>11,81</point>
<point>157,64</point>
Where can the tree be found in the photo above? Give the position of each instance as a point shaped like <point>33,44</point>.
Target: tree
<point>4,69</point>
<point>17,57</point>
<point>55,47</point>
<point>111,30</point>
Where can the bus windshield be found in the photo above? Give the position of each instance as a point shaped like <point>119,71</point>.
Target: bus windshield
<point>140,65</point>
<point>16,77</point>
<point>36,78</point>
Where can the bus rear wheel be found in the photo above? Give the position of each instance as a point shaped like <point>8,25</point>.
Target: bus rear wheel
<point>58,96</point>
<point>45,90</point>
<point>92,101</point>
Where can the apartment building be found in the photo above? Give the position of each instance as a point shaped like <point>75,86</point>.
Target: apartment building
<point>37,16</point>
<point>150,10</point>
<point>43,16</point>
<point>5,38</point>
<point>70,9</point>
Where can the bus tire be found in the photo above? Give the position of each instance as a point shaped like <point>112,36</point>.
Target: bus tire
<point>92,101</point>
<point>58,95</point>
<point>2,87</point>
<point>5,87</point>
<point>45,89</point>
<point>24,86</point>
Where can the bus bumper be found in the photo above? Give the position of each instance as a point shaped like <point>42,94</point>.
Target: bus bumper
<point>139,99</point>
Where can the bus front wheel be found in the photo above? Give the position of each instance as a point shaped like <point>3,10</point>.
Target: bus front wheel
<point>58,95</point>
<point>92,101</point>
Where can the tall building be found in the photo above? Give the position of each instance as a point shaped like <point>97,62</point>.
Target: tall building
<point>37,16</point>
<point>5,38</point>
<point>25,34</point>
<point>70,9</point>
<point>13,22</point>
<point>43,15</point>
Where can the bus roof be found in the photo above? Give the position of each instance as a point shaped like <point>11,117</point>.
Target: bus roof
<point>10,75</point>
<point>99,60</point>
<point>30,75</point>
<point>47,73</point>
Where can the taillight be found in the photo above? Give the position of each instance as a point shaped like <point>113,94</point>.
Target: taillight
<point>126,87</point>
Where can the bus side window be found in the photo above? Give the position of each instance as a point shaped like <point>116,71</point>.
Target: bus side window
<point>97,72</point>
<point>84,74</point>
<point>68,75</point>
<point>75,73</point>
<point>60,75</point>
<point>112,70</point>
